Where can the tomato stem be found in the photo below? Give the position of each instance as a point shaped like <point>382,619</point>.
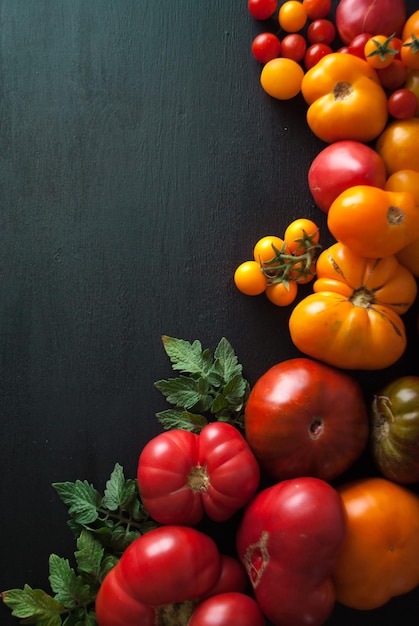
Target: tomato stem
<point>284,267</point>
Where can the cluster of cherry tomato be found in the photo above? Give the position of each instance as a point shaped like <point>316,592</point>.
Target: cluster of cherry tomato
<point>306,33</point>
<point>280,265</point>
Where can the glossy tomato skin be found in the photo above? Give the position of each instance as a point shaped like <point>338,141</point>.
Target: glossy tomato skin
<point>354,17</point>
<point>395,430</point>
<point>182,475</point>
<point>288,541</point>
<point>341,165</point>
<point>397,145</point>
<point>304,418</point>
<point>379,557</point>
<point>226,609</point>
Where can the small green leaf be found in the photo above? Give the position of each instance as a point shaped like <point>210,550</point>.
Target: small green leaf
<point>183,392</point>
<point>27,603</point>
<point>219,404</point>
<point>226,362</point>
<point>186,357</point>
<point>173,418</point>
<point>69,588</point>
<point>89,554</point>
<point>235,391</point>
<point>82,499</point>
<point>114,489</point>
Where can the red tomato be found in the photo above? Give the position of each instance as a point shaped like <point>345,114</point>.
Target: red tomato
<point>288,541</point>
<point>317,9</point>
<point>293,46</point>
<point>181,474</point>
<point>341,165</point>
<point>357,44</point>
<point>226,609</point>
<point>262,9</point>
<point>304,418</point>
<point>402,104</point>
<point>394,75</point>
<point>321,30</point>
<point>266,46</point>
<point>358,16</point>
<point>314,53</point>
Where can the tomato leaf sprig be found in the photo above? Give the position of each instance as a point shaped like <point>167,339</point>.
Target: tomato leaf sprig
<point>104,526</point>
<point>209,387</point>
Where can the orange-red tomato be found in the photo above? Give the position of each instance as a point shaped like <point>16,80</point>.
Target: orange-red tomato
<point>398,145</point>
<point>374,222</point>
<point>379,558</point>
<point>409,52</point>
<point>352,320</point>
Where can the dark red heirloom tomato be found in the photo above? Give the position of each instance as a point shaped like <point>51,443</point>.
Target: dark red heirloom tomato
<point>288,541</point>
<point>166,573</point>
<point>226,609</point>
<point>395,430</point>
<point>305,418</point>
<point>182,475</point>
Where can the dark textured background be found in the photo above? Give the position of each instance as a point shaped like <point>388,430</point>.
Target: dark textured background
<point>140,162</point>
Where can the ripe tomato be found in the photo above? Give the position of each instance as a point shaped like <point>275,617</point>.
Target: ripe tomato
<point>181,474</point>
<point>249,278</point>
<point>394,75</point>
<point>402,104</point>
<point>379,558</point>
<point>374,222</point>
<point>359,16</point>
<point>411,25</point>
<point>317,9</point>
<point>398,145</point>
<point>299,231</point>
<point>409,52</point>
<point>304,418</point>
<point>281,78</point>
<point>266,248</point>
<point>288,541</point>
<point>262,9</point>
<point>395,430</point>
<point>379,51</point>
<point>412,83</point>
<point>357,45</point>
<point>282,294</point>
<point>293,46</point>
<point>226,609</point>
<point>266,46</point>
<point>292,16</point>
<point>404,180</point>
<point>314,53</point>
<point>352,320</point>
<point>321,30</point>
<point>341,165</point>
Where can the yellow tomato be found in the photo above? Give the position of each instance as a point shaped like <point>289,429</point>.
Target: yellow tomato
<point>404,180</point>
<point>281,78</point>
<point>398,145</point>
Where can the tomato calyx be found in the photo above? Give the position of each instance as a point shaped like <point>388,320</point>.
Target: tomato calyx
<point>414,44</point>
<point>381,407</point>
<point>383,49</point>
<point>198,479</point>
<point>256,559</point>
<point>284,267</point>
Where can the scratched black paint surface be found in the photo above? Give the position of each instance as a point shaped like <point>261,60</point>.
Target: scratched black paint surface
<point>140,162</point>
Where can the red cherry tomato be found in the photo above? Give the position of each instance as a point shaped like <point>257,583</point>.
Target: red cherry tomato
<point>262,9</point>
<point>402,104</point>
<point>294,46</point>
<point>265,47</point>
<point>317,9</point>
<point>321,30</point>
<point>357,44</point>
<point>314,53</point>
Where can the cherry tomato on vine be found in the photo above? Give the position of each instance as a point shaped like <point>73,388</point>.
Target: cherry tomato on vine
<point>314,53</point>
<point>262,9</point>
<point>264,250</point>
<point>294,46</point>
<point>409,52</point>
<point>282,294</point>
<point>292,16</point>
<point>296,231</point>
<point>317,9</point>
<point>266,46</point>
<point>379,51</point>
<point>281,78</point>
<point>321,30</point>
<point>249,278</point>
<point>402,104</point>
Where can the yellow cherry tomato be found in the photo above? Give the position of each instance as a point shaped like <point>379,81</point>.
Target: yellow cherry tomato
<point>409,52</point>
<point>281,78</point>
<point>379,51</point>
<point>411,25</point>
<point>299,230</point>
<point>292,16</point>
<point>265,249</point>
<point>249,278</point>
<point>282,294</point>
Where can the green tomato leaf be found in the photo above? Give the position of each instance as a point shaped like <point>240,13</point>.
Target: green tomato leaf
<point>89,554</point>
<point>173,418</point>
<point>184,392</point>
<point>187,357</point>
<point>82,499</point>
<point>114,490</point>
<point>226,362</point>
<point>30,603</point>
<point>69,588</point>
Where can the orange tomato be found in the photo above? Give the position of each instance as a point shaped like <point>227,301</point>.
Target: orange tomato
<point>281,78</point>
<point>379,558</point>
<point>298,232</point>
<point>404,180</point>
<point>352,320</point>
<point>398,145</point>
<point>409,52</point>
<point>249,278</point>
<point>265,249</point>
<point>292,16</point>
<point>412,83</point>
<point>411,25</point>
<point>374,222</point>
<point>345,98</point>
<point>282,294</point>
<point>380,51</point>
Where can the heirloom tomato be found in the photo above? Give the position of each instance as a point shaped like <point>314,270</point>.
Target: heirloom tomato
<point>353,319</point>
<point>304,418</point>
<point>395,430</point>
<point>182,475</point>
<point>374,222</point>
<point>341,165</point>
<point>226,609</point>
<point>359,16</point>
<point>288,541</point>
<point>345,99</point>
<point>398,145</point>
<point>379,558</point>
